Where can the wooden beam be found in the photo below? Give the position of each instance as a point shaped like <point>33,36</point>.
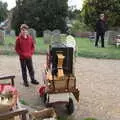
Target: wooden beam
<point>11,114</point>
<point>11,77</point>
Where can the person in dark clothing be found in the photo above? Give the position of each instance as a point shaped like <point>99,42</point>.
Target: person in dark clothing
<point>25,49</point>
<point>100,30</point>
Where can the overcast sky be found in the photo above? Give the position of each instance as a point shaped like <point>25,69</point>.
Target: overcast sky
<point>77,3</point>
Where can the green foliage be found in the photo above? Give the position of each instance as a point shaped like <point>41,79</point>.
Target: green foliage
<point>77,22</point>
<point>23,102</point>
<point>41,14</point>
<point>92,9</point>
<point>79,26</point>
<point>3,11</point>
<point>73,14</point>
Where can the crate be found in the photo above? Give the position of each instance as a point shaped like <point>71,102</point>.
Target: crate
<point>65,84</point>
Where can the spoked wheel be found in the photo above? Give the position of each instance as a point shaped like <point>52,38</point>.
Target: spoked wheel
<point>70,106</point>
<point>46,100</point>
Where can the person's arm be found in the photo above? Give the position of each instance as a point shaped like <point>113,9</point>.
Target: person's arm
<point>17,46</point>
<point>97,26</point>
<point>33,46</point>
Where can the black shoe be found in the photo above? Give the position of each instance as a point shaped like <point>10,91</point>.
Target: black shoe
<point>35,82</point>
<point>26,84</point>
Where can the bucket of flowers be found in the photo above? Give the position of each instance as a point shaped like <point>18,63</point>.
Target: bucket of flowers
<point>8,97</point>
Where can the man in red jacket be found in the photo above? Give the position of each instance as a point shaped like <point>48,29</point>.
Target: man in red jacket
<point>25,49</point>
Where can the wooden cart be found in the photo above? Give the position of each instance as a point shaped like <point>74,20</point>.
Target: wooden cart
<point>59,78</point>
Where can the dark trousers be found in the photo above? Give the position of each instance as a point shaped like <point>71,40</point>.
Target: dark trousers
<point>27,64</point>
<point>100,34</point>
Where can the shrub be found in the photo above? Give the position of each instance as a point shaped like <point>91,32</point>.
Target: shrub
<point>78,26</point>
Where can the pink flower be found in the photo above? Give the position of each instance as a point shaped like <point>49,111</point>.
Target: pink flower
<point>7,89</point>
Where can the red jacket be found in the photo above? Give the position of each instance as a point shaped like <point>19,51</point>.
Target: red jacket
<point>24,46</point>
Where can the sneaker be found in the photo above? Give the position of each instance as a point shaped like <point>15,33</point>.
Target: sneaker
<point>35,82</point>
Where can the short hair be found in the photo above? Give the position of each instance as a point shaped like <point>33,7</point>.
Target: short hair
<point>24,26</point>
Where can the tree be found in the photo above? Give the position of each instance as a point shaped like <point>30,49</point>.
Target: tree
<point>73,14</point>
<point>92,9</point>
<point>3,11</point>
<point>17,17</point>
<point>41,14</point>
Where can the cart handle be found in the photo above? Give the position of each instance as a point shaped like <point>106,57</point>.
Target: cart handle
<point>11,77</point>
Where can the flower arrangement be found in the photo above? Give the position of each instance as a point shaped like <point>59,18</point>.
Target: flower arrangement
<point>8,97</point>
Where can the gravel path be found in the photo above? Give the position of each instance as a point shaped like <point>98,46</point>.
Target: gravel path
<point>97,79</point>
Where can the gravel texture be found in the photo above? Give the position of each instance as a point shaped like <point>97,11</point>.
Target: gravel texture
<point>97,79</point>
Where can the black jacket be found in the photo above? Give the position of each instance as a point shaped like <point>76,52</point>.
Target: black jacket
<point>100,26</point>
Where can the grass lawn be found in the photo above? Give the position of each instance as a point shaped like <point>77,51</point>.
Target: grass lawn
<point>8,47</point>
<point>40,46</point>
<point>85,48</point>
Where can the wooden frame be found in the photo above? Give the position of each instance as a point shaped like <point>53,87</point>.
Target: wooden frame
<point>15,112</point>
<point>8,77</point>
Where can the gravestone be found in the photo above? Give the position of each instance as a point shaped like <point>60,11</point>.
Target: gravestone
<point>47,36</point>
<point>63,38</point>
<point>92,36</point>
<point>32,32</point>
<point>12,33</point>
<point>2,37</point>
<point>56,31</point>
<point>55,39</point>
<point>110,37</point>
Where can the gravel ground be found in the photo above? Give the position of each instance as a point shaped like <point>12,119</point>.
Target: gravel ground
<point>97,79</point>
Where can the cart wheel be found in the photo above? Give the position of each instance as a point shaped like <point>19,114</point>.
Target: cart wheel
<point>70,106</point>
<point>46,100</point>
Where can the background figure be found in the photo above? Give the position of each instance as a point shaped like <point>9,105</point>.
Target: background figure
<point>25,49</point>
<point>100,30</point>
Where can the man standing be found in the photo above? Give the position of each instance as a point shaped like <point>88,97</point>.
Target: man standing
<point>100,30</point>
<point>25,49</point>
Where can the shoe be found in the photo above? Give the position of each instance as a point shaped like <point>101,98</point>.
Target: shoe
<point>26,84</point>
<point>35,82</point>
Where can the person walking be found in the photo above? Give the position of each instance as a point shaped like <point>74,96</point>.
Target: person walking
<point>25,49</point>
<point>100,30</point>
